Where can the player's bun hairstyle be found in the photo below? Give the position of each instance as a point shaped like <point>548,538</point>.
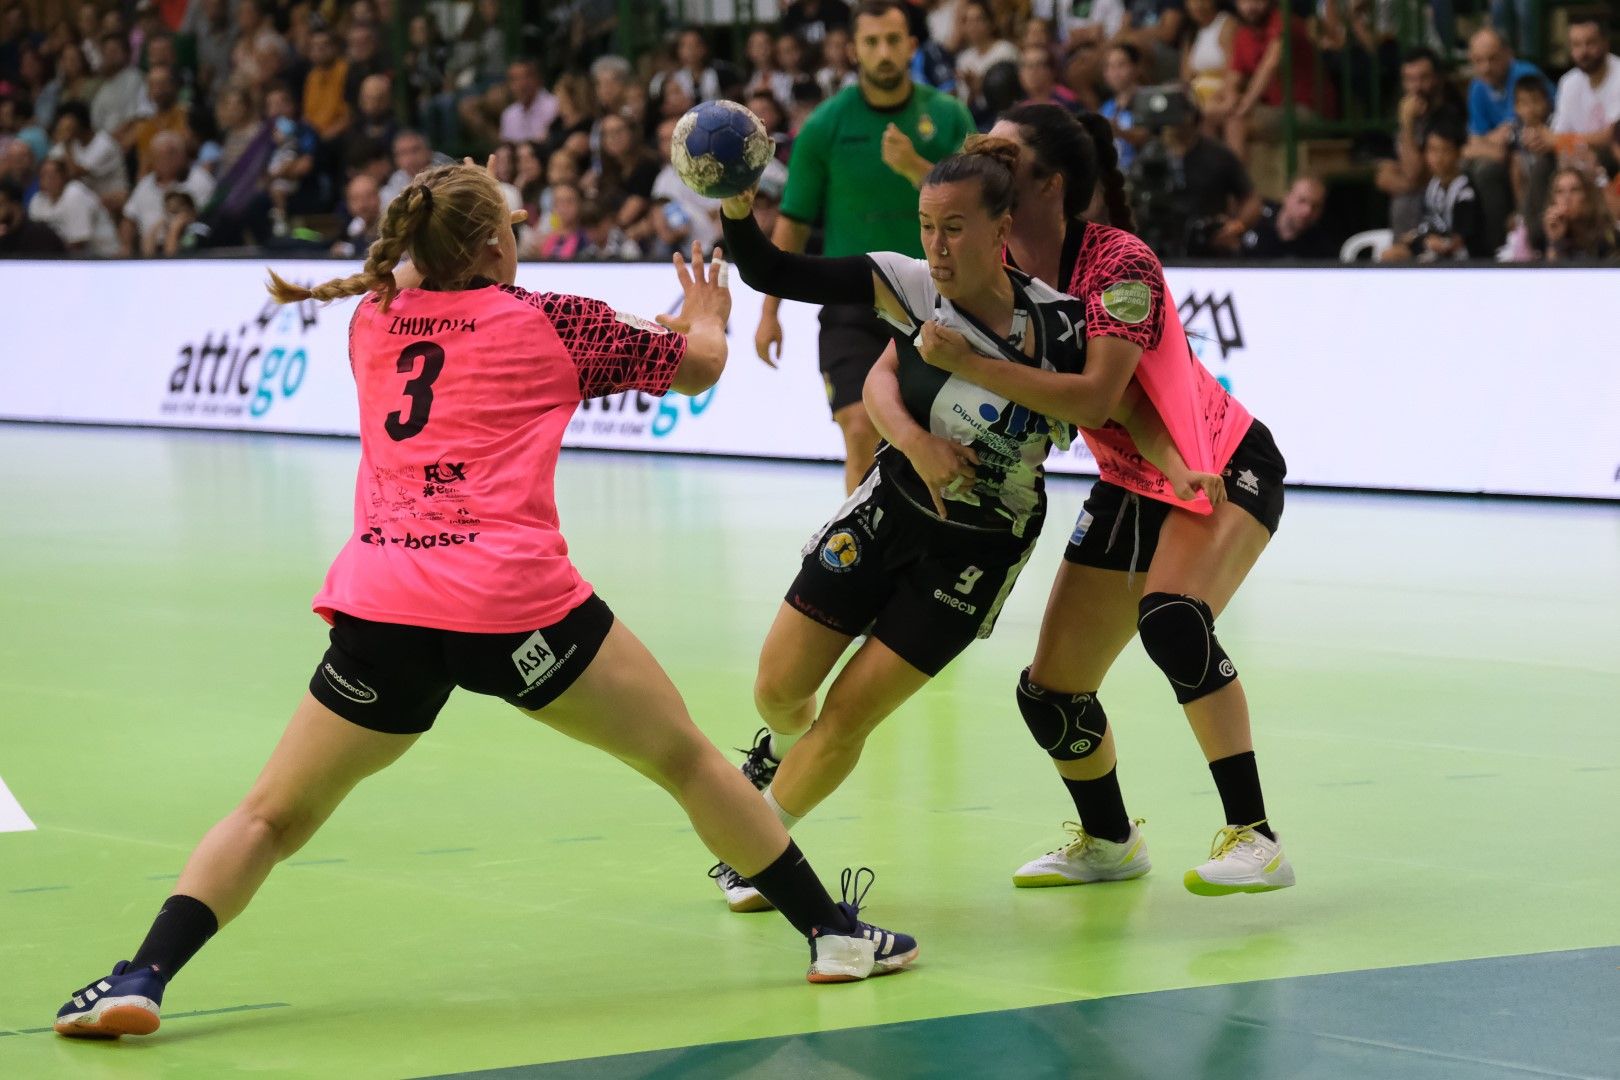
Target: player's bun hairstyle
<point>1082,151</point>
<point>990,161</point>
<point>445,220</point>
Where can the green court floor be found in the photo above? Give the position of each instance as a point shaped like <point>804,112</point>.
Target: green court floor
<point>1434,685</point>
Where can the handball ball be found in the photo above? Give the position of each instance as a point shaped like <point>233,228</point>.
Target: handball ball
<point>719,149</point>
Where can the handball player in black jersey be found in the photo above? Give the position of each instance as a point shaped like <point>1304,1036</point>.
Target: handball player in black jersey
<point>925,551</point>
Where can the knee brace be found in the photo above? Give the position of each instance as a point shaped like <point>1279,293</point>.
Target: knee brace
<point>1067,726</point>
<point>1178,633</point>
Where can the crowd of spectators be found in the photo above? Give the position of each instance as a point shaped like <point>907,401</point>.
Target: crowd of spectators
<point>163,127</point>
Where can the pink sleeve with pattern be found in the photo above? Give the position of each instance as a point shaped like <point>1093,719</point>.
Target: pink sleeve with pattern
<point>1122,283</point>
<point>612,350</point>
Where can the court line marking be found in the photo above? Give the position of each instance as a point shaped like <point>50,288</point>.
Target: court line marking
<point>174,1016</point>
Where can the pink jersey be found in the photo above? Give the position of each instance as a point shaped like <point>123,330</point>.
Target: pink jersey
<point>1122,283</point>
<point>464,397</point>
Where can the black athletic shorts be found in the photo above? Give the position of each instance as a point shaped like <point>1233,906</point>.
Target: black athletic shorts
<point>924,589</point>
<point>852,339</point>
<point>1120,531</point>
<point>394,678</point>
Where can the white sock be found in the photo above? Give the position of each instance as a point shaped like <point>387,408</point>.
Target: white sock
<point>781,743</point>
<point>787,819</point>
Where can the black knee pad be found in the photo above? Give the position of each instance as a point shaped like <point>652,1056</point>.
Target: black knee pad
<point>1178,632</point>
<point>1067,726</point>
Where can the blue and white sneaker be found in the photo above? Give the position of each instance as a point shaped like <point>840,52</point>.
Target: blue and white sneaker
<point>863,950</point>
<point>124,1003</point>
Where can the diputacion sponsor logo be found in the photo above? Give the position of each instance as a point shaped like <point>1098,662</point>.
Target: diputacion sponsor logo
<point>245,371</point>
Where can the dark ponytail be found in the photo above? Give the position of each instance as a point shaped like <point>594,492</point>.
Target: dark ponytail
<point>1108,174</point>
<point>990,161</point>
<point>1081,151</point>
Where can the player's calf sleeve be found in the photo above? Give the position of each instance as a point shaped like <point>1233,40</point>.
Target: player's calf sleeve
<point>1067,726</point>
<point>1178,633</point>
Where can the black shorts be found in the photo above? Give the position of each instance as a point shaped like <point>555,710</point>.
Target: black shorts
<point>852,339</point>
<point>394,678</point>
<point>1120,531</point>
<point>924,589</point>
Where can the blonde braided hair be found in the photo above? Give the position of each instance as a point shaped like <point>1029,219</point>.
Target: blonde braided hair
<point>446,219</point>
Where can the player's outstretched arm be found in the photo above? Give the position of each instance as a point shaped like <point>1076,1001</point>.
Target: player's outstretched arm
<point>705,307</point>
<point>791,276</point>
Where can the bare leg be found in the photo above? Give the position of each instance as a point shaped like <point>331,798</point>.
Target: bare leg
<point>625,704</point>
<point>798,655</point>
<point>872,685</point>
<point>319,760</point>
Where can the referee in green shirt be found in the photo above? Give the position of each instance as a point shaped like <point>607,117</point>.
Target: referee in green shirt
<point>855,169</point>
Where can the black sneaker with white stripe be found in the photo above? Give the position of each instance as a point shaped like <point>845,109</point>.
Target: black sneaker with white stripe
<point>759,766</point>
<point>739,892</point>
<point>863,950</point>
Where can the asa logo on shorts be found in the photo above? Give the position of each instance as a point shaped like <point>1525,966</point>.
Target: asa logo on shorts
<point>534,659</point>
<point>841,552</point>
<point>353,689</point>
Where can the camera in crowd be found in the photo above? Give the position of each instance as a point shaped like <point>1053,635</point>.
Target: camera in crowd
<point>1158,181</point>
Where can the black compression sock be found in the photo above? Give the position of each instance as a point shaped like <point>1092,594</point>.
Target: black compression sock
<point>1237,778</point>
<point>183,926</point>
<point>1101,807</point>
<point>791,885</point>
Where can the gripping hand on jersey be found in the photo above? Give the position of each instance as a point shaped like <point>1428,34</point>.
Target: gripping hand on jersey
<point>944,348</point>
<point>945,467</point>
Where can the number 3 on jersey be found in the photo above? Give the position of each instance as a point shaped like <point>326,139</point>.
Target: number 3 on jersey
<point>402,426</point>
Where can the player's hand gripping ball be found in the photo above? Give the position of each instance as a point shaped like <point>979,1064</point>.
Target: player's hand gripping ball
<point>719,149</point>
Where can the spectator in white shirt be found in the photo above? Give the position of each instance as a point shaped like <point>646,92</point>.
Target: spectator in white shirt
<point>171,169</point>
<point>694,75</point>
<point>411,155</point>
<point>533,109</point>
<point>117,105</point>
<point>365,215</point>
<point>91,156</point>
<point>981,51</point>
<point>1589,93</point>
<point>73,211</point>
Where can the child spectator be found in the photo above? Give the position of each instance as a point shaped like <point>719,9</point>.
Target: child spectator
<point>1532,158</point>
<point>178,231</point>
<point>1452,226</point>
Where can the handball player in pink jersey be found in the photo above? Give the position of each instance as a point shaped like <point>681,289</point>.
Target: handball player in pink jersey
<point>1140,560</point>
<point>457,575</point>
